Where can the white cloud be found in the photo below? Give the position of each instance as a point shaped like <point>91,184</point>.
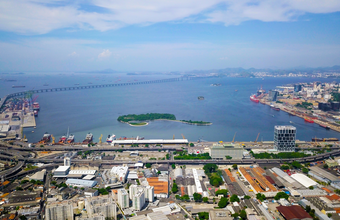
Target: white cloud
<point>73,54</point>
<point>39,17</point>
<point>105,53</point>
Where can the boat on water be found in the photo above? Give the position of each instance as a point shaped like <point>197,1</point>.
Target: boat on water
<point>110,138</point>
<point>253,98</point>
<point>309,120</point>
<point>215,84</point>
<point>275,108</point>
<point>46,138</point>
<point>35,113</point>
<point>62,140</point>
<point>36,106</point>
<point>45,84</point>
<point>70,139</point>
<point>324,126</point>
<point>325,139</point>
<point>200,98</point>
<point>88,139</point>
<point>18,86</point>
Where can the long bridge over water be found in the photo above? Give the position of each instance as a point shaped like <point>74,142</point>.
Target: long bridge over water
<point>73,88</point>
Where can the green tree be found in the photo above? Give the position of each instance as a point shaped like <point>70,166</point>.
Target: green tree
<point>228,157</point>
<point>22,217</point>
<point>243,214</point>
<point>325,166</point>
<point>305,170</point>
<point>311,187</point>
<point>280,195</point>
<point>308,208</point>
<point>210,168</point>
<point>148,165</point>
<point>247,197</point>
<point>178,197</point>
<point>191,144</point>
<point>173,166</point>
<point>261,197</point>
<point>203,215</point>
<point>296,164</point>
<point>54,182</point>
<point>205,199</point>
<point>185,198</point>
<point>223,202</point>
<point>223,192</point>
<point>284,167</point>
<point>329,215</point>
<point>235,166</point>
<point>174,188</point>
<point>197,197</point>
<point>234,198</point>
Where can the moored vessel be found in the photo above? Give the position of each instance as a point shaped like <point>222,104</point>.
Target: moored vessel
<point>36,106</point>
<point>62,140</point>
<point>18,86</point>
<point>70,138</point>
<point>254,98</point>
<point>325,139</point>
<point>324,126</point>
<point>110,138</point>
<point>309,120</point>
<point>88,138</point>
<point>46,138</point>
<point>35,113</point>
<point>131,138</point>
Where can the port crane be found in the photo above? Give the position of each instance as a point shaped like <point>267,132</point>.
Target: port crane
<point>100,138</point>
<point>234,138</point>
<point>53,139</point>
<point>183,136</point>
<point>257,137</point>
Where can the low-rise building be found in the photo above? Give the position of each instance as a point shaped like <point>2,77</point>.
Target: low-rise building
<point>120,172</point>
<point>38,175</point>
<point>220,151</point>
<point>91,193</point>
<point>61,172</point>
<point>81,183</point>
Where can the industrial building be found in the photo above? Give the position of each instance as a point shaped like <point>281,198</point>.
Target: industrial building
<point>59,211</point>
<point>304,180</point>
<point>294,212</point>
<point>80,173</point>
<point>323,175</point>
<point>120,172</point>
<point>220,151</point>
<point>61,172</point>
<point>81,183</point>
<point>161,187</point>
<point>286,179</point>
<point>284,138</point>
<point>123,198</point>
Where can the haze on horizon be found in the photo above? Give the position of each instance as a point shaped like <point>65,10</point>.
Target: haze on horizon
<point>170,35</point>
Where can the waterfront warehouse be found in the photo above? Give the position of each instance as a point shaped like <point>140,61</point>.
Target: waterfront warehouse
<point>220,151</point>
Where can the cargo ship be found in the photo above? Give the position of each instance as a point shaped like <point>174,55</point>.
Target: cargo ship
<point>18,86</point>
<point>46,138</point>
<point>325,139</point>
<point>275,108</point>
<point>324,126</point>
<point>88,138</point>
<point>309,120</point>
<point>110,138</point>
<point>36,106</point>
<point>254,98</point>
<point>70,139</point>
<point>62,140</point>
<point>131,138</point>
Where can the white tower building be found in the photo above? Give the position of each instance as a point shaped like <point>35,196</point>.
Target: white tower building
<point>123,198</point>
<point>67,161</point>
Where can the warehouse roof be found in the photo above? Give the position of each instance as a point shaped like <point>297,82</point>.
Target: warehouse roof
<point>84,172</point>
<point>152,141</point>
<point>323,173</point>
<point>62,169</point>
<point>304,180</point>
<point>160,187</point>
<point>293,212</point>
<point>77,182</point>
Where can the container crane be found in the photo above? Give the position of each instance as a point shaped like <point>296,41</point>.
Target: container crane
<point>53,139</point>
<point>183,136</point>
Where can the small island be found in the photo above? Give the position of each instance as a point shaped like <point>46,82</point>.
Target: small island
<point>142,119</point>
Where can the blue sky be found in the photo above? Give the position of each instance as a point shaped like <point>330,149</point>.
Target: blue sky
<point>169,35</point>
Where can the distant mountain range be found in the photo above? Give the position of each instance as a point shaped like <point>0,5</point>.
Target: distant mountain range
<point>228,71</point>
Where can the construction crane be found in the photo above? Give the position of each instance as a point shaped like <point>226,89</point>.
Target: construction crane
<point>100,138</point>
<point>257,137</point>
<point>53,139</point>
<point>183,136</point>
<point>234,137</point>
<point>173,137</point>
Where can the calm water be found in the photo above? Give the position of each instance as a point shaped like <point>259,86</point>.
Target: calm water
<point>96,110</point>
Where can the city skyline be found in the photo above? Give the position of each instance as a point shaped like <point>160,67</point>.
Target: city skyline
<point>167,36</point>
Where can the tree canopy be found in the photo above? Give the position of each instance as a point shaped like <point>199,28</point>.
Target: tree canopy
<point>223,202</point>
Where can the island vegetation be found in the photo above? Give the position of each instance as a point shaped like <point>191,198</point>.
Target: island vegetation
<point>141,119</point>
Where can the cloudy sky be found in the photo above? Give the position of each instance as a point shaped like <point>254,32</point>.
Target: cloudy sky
<point>167,35</point>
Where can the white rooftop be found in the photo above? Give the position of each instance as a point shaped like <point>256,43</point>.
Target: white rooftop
<point>303,180</point>
<point>62,169</point>
<point>85,172</point>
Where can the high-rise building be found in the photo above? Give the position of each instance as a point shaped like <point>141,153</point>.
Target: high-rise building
<point>59,211</point>
<point>149,192</point>
<point>284,138</point>
<point>101,206</point>
<point>335,106</point>
<point>123,198</point>
<point>67,161</point>
<point>138,199</point>
<point>272,95</point>
<point>297,88</point>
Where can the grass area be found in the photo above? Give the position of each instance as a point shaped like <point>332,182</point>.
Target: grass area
<point>282,155</point>
<point>30,168</point>
<point>184,156</point>
<point>138,124</point>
